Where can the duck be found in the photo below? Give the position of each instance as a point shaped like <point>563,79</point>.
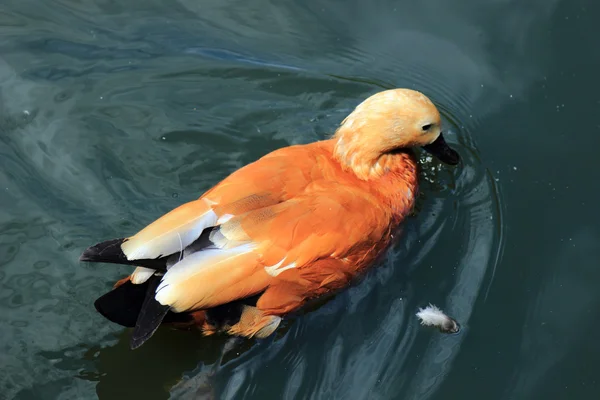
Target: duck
<point>298,224</point>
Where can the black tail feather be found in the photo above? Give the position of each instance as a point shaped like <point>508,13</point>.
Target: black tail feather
<point>110,252</point>
<point>123,304</point>
<point>134,306</point>
<point>151,315</point>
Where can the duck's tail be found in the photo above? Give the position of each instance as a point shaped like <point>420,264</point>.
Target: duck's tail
<point>134,306</point>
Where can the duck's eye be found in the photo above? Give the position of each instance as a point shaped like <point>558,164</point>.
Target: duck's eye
<point>426,127</point>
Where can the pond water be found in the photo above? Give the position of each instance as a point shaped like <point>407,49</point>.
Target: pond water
<point>114,112</point>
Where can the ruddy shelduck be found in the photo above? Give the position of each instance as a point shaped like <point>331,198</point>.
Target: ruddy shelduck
<point>298,223</point>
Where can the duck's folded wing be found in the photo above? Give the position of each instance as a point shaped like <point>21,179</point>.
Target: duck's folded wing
<point>330,223</point>
<point>254,248</point>
<point>257,185</point>
<point>272,179</point>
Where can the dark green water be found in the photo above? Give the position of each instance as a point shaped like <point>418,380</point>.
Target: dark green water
<point>114,112</point>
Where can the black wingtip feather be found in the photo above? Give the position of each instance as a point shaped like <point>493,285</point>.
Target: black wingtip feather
<point>150,316</point>
<point>110,252</point>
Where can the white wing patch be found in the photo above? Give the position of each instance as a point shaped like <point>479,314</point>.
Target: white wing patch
<point>222,242</point>
<point>141,275</point>
<point>275,270</point>
<point>167,293</point>
<point>224,218</point>
<point>148,244</point>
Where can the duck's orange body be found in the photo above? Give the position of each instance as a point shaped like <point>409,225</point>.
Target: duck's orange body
<point>296,224</point>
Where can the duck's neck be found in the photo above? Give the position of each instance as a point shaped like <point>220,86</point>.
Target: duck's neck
<point>365,160</point>
<point>391,176</point>
<point>398,185</point>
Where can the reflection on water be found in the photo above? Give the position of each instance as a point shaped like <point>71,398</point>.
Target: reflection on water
<point>112,113</point>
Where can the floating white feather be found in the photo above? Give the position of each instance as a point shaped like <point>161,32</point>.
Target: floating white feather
<point>433,316</point>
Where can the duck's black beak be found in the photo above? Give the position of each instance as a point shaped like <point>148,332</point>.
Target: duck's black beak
<point>440,149</point>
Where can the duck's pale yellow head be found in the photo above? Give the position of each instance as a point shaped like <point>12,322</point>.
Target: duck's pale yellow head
<point>388,121</point>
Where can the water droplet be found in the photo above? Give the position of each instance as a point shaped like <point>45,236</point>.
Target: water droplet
<point>175,195</point>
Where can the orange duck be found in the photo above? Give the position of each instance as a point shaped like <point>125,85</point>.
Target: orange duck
<point>294,225</point>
